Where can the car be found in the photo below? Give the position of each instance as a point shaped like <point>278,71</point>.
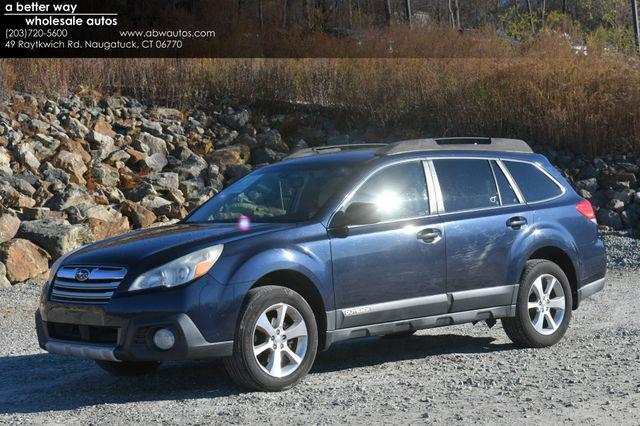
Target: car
<point>335,243</point>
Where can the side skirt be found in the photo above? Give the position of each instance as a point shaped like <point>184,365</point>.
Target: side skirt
<point>419,323</point>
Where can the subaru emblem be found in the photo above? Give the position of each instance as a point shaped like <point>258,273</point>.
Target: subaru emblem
<point>82,274</point>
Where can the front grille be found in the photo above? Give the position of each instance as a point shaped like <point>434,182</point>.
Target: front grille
<point>83,333</point>
<point>71,286</point>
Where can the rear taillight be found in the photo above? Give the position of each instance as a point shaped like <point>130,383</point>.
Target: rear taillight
<point>586,209</point>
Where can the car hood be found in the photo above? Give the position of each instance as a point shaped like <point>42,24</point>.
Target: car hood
<point>151,247</point>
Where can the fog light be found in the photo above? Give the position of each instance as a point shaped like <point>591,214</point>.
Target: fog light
<point>164,339</point>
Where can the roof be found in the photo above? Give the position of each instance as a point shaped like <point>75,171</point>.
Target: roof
<point>419,145</point>
<point>456,144</point>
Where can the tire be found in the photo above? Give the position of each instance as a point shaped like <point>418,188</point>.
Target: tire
<point>540,321</point>
<point>261,329</point>
<point>128,368</point>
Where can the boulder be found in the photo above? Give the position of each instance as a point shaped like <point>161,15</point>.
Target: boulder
<point>609,218</point>
<point>4,282</point>
<point>272,140</point>
<point>104,128</point>
<point>236,119</point>
<point>152,127</point>
<point>23,260</point>
<point>236,154</point>
<point>57,237</point>
<point>9,225</point>
<point>72,195</point>
<point>138,215</point>
<point>72,163</point>
<point>150,144</point>
<point>266,155</point>
<point>105,175</point>
<point>153,163</point>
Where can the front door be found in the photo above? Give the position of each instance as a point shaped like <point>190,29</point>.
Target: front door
<point>394,267</point>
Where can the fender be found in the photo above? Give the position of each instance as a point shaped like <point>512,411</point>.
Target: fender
<point>550,234</point>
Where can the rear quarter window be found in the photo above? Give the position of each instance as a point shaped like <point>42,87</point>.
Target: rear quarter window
<point>533,183</point>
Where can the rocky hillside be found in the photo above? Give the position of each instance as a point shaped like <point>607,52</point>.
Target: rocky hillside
<point>83,168</point>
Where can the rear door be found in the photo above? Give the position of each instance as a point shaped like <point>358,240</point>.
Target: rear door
<point>484,217</point>
<point>394,268</point>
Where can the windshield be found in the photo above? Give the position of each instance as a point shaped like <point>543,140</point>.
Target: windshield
<point>281,194</point>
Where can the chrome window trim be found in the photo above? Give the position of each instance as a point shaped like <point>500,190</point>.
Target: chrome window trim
<point>438,191</point>
<point>538,166</point>
<point>511,180</point>
<point>431,187</point>
<point>362,181</point>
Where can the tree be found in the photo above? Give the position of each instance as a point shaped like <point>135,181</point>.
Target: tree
<point>387,11</point>
<point>407,8</point>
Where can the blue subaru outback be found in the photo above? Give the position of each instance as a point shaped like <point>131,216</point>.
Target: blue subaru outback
<point>335,243</point>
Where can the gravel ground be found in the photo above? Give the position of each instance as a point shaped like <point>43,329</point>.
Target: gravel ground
<point>458,374</point>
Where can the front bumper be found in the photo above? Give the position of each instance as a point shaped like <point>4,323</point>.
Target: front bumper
<point>134,341</point>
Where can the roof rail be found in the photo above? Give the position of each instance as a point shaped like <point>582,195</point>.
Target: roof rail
<point>456,144</point>
<point>330,149</point>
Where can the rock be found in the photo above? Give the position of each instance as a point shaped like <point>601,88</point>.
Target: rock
<point>23,260</point>
<point>138,215</point>
<point>105,175</point>
<point>150,144</point>
<point>151,127</point>
<point>246,139</point>
<point>153,163</point>
<point>171,211</point>
<point>232,155</point>
<point>104,128</point>
<point>272,140</point>
<point>57,237</point>
<point>236,120</point>
<point>102,142</point>
<point>75,128</point>
<point>186,163</point>
<point>4,282</point>
<point>609,218</point>
<point>72,163</point>
<point>590,185</point>
<point>160,181</point>
<point>236,171</point>
<point>266,155</point>
<point>72,195</point>
<point>153,202</point>
<point>169,113</point>
<point>616,205</point>
<point>140,190</point>
<point>191,188</point>
<point>24,155</point>
<point>9,225</point>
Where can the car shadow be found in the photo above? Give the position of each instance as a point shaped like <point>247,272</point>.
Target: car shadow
<point>44,382</point>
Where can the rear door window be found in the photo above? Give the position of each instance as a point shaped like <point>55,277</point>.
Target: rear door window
<point>507,194</point>
<point>466,184</point>
<point>533,183</point>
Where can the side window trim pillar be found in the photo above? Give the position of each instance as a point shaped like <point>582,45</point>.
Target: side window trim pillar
<point>511,180</point>
<point>436,202</point>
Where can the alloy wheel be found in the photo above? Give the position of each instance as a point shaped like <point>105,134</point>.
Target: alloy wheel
<point>546,304</point>
<point>280,340</point>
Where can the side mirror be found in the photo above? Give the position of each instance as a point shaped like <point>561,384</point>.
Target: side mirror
<point>358,214</point>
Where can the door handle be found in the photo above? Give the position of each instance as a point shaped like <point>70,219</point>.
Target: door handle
<point>516,222</point>
<point>430,235</point>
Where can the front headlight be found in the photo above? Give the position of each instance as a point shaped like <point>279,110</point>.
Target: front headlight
<point>179,271</point>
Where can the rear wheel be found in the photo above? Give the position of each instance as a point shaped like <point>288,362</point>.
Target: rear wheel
<point>543,309</point>
<point>276,340</point>
<point>128,368</point>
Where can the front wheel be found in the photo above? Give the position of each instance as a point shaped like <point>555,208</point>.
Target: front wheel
<point>543,310</point>
<point>276,340</point>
